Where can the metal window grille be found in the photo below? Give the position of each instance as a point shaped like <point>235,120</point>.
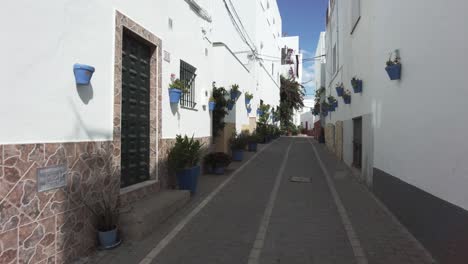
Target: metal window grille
<point>187,76</point>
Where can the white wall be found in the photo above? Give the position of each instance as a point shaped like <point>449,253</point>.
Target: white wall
<point>39,101</point>
<point>42,103</point>
<point>418,122</point>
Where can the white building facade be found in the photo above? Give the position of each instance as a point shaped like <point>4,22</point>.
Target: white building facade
<point>291,65</point>
<point>113,134</point>
<point>407,136</point>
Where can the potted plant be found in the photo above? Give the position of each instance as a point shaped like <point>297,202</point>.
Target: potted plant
<point>106,213</point>
<point>339,89</point>
<point>183,160</point>
<point>347,97</point>
<point>332,103</point>
<point>325,108</point>
<point>394,67</point>
<point>176,88</point>
<point>237,143</point>
<point>235,93</point>
<point>357,85</point>
<point>211,104</point>
<point>217,162</point>
<point>230,104</point>
<point>249,109</point>
<point>259,112</point>
<point>252,142</point>
<point>248,98</point>
<point>83,73</point>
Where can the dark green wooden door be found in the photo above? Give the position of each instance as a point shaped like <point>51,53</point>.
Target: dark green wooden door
<point>135,111</point>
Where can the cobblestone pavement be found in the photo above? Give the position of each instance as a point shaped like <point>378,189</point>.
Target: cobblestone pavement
<point>260,211</point>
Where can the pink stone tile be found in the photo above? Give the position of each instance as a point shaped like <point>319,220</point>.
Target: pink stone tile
<point>9,216</point>
<point>8,246</point>
<point>37,241</point>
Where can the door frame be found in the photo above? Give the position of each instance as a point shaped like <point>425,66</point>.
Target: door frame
<point>122,23</point>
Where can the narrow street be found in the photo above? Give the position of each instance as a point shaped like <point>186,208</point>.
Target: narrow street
<point>258,215</point>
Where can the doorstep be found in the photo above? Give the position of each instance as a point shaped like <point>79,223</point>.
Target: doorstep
<point>141,218</point>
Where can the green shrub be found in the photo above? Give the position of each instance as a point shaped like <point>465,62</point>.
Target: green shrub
<point>185,153</point>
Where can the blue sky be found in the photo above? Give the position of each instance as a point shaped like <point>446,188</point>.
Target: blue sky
<point>304,18</point>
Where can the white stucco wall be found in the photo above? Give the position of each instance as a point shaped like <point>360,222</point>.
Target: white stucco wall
<point>39,101</point>
<point>418,125</point>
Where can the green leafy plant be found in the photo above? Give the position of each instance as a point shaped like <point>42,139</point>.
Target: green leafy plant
<point>354,82</point>
<point>254,138</point>
<point>347,94</point>
<point>219,95</point>
<point>235,88</point>
<point>339,85</point>
<point>238,141</point>
<point>185,153</point>
<point>325,106</point>
<point>248,96</point>
<point>106,212</point>
<point>265,108</point>
<point>212,99</point>
<point>331,99</point>
<point>217,159</point>
<point>178,84</point>
<point>291,99</point>
<point>391,62</point>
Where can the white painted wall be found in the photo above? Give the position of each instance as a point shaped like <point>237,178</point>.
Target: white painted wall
<point>39,101</point>
<point>307,116</point>
<point>418,123</point>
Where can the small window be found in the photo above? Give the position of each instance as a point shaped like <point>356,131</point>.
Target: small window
<point>355,14</point>
<point>187,76</point>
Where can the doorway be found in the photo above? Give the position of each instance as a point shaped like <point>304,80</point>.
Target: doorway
<point>357,142</point>
<point>135,133</point>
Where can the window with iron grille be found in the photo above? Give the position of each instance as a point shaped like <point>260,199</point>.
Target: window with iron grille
<point>187,76</point>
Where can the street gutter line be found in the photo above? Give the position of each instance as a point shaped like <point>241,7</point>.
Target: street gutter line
<point>256,251</point>
<point>352,237</point>
<point>169,237</point>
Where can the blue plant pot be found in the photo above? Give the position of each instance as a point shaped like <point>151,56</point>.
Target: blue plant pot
<point>324,113</point>
<point>108,239</point>
<point>335,104</point>
<point>211,106</point>
<point>331,108</point>
<point>83,73</point>
<point>235,95</point>
<point>174,95</point>
<point>188,178</point>
<point>230,106</point>
<point>252,147</point>
<point>347,100</point>
<point>249,110</point>
<point>339,91</point>
<point>358,87</point>
<point>394,71</point>
<point>247,101</point>
<point>259,112</point>
<point>237,154</point>
<point>219,170</point>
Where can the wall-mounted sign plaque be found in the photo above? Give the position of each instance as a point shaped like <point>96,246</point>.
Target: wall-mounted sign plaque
<point>52,177</point>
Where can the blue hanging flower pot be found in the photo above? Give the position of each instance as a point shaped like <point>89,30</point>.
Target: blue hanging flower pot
<point>339,90</point>
<point>347,99</point>
<point>335,104</point>
<point>83,73</point>
<point>211,106</point>
<point>357,86</point>
<point>174,95</point>
<point>230,106</point>
<point>394,71</point>
<point>235,95</point>
<point>249,109</point>
<point>247,101</point>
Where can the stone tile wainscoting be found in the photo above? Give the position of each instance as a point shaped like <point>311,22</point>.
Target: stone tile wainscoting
<point>52,226</point>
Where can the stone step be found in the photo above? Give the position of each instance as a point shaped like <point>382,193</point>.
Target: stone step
<point>141,218</point>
